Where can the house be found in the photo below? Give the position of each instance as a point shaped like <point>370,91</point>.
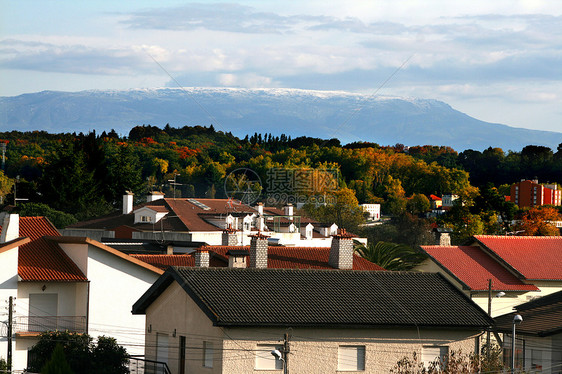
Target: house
<point>68,283</point>
<point>538,337</point>
<point>203,220</point>
<point>275,256</point>
<point>229,320</point>
<point>435,201</point>
<point>521,267</point>
<point>529,193</point>
<point>374,211</point>
<point>448,200</point>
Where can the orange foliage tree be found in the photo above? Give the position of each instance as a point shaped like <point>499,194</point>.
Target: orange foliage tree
<point>539,221</point>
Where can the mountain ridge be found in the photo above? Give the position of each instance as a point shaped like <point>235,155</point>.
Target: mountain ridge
<point>344,115</point>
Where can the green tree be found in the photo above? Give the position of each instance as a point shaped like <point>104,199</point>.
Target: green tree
<point>83,356</point>
<point>418,203</point>
<point>76,349</point>
<point>67,184</point>
<point>6,185</point>
<point>109,357</point>
<point>57,364</point>
<point>344,211</point>
<point>57,218</point>
<point>390,256</point>
<point>124,175</point>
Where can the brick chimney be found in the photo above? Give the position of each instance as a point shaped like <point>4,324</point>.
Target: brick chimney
<point>258,250</point>
<point>442,236</point>
<point>201,258</point>
<point>128,202</point>
<point>10,227</point>
<point>229,237</point>
<point>341,251</point>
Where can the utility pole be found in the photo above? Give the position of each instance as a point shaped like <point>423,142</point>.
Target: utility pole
<point>286,350</point>
<point>10,318</point>
<point>488,345</point>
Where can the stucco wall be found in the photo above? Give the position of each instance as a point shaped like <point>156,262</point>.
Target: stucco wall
<point>8,287</point>
<point>316,350</point>
<point>175,310</point>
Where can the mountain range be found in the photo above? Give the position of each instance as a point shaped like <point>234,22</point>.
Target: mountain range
<point>347,116</point>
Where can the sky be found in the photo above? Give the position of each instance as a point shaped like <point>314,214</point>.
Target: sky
<point>498,61</point>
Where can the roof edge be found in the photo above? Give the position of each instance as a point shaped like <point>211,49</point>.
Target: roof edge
<point>95,243</point>
<point>5,247</point>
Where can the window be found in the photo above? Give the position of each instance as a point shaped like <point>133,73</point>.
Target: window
<point>434,353</point>
<point>265,360</point>
<point>162,347</point>
<point>43,312</point>
<point>351,357</point>
<point>536,360</point>
<point>146,219</point>
<point>208,353</point>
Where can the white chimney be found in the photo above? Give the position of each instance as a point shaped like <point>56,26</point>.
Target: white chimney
<point>289,210</point>
<point>10,227</point>
<point>341,251</point>
<point>154,195</point>
<point>128,202</point>
<point>259,208</point>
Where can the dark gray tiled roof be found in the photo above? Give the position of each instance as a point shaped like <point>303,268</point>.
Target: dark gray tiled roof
<point>321,298</point>
<point>541,317</point>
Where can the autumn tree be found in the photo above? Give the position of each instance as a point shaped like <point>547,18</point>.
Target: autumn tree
<point>344,210</point>
<point>6,185</point>
<point>539,221</point>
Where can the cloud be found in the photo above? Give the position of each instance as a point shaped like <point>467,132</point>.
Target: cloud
<point>73,59</point>
<point>219,17</point>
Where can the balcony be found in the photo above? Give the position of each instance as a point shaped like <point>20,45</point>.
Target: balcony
<point>32,326</point>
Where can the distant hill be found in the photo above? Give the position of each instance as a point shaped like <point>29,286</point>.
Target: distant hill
<point>323,114</point>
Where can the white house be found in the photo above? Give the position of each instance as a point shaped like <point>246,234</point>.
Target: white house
<point>203,220</point>
<point>68,283</point>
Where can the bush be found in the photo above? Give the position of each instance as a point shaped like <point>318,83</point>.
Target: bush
<point>455,363</point>
<point>83,356</point>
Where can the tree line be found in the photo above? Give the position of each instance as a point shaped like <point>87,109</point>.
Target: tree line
<point>85,175</point>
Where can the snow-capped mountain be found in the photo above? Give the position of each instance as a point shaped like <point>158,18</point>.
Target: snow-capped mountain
<point>323,114</point>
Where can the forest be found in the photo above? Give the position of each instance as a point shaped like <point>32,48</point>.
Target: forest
<point>80,176</point>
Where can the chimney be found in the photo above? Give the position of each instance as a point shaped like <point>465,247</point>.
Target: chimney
<point>288,209</point>
<point>260,218</point>
<point>169,249</point>
<point>229,237</point>
<point>128,202</point>
<point>258,251</point>
<point>154,195</point>
<point>341,251</point>
<point>259,208</point>
<point>10,227</point>
<point>201,258</point>
<point>445,239</point>
<point>237,258</point>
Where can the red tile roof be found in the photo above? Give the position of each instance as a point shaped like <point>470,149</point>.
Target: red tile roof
<point>278,257</point>
<point>41,259</point>
<point>534,257</point>
<point>473,267</point>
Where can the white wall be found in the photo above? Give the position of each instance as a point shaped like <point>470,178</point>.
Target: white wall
<point>72,301</point>
<point>8,287</point>
<point>116,284</point>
